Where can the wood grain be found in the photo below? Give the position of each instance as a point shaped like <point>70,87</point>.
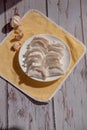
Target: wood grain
<point>3,83</point>
<point>23,112</point>
<point>3,104</point>
<point>83,8</point>
<point>2,20</point>
<point>67,110</point>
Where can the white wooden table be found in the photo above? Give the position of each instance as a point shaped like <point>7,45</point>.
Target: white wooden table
<point>68,108</point>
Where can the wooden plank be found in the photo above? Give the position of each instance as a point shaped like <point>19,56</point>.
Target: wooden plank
<point>18,115</point>
<point>38,5</point>
<point>53,10</point>
<point>3,104</point>
<point>3,84</point>
<point>27,114</point>
<point>18,109</point>
<point>2,21</point>
<point>24,113</point>
<point>83,9</point>
<point>70,102</point>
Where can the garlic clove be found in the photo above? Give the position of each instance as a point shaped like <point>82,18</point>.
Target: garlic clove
<point>15,21</point>
<point>19,36</point>
<point>16,46</point>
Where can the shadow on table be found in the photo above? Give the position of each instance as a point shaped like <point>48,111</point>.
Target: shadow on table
<point>6,28</point>
<point>7,4</point>
<point>4,6</point>
<point>12,128</point>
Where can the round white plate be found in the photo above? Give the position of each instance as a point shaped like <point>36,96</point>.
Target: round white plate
<point>65,60</point>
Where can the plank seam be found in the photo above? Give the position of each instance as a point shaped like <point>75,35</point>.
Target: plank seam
<point>46,8</point>
<point>54,122</point>
<point>5,15</point>
<point>81,20</point>
<point>83,39</point>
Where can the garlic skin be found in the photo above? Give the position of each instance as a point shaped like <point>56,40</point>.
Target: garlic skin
<point>16,46</point>
<point>19,36</point>
<point>15,21</point>
<point>17,30</point>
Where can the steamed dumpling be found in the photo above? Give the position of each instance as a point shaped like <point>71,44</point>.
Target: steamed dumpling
<point>40,41</point>
<point>55,71</point>
<point>35,57</point>
<point>37,50</point>
<point>37,72</point>
<point>53,65</point>
<point>56,47</point>
<point>57,44</point>
<point>53,55</point>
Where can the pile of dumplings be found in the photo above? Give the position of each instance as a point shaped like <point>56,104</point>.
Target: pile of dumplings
<point>43,58</point>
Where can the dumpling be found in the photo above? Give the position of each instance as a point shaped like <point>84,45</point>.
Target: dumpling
<point>53,54</point>
<point>56,49</point>
<point>34,56</point>
<point>34,61</point>
<point>55,71</point>
<point>53,63</point>
<point>40,41</point>
<point>58,45</point>
<point>37,49</point>
<point>37,72</point>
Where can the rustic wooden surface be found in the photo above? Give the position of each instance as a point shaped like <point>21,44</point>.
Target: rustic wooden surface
<point>68,108</point>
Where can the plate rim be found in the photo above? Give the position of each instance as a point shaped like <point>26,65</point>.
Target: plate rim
<point>56,77</point>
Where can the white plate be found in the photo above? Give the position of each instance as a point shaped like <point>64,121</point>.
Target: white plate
<point>65,60</point>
